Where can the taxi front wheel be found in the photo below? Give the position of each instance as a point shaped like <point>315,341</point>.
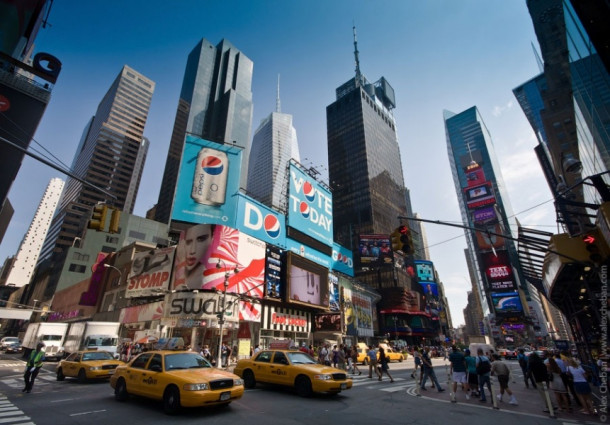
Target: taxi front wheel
<point>303,386</point>
<point>171,400</point>
<point>120,391</point>
<point>249,379</point>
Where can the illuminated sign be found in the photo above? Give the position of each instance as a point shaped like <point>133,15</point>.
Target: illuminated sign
<point>484,215</point>
<point>375,249</point>
<point>480,195</point>
<point>342,260</point>
<point>310,206</point>
<point>506,302</point>
<point>260,221</point>
<point>425,271</point>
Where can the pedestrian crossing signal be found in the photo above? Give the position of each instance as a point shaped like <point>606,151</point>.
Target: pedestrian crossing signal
<point>114,221</point>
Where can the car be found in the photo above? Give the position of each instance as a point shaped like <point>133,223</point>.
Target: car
<point>389,352</point>
<point>178,379</point>
<point>4,342</point>
<point>507,353</point>
<point>88,364</point>
<point>292,368</point>
<point>14,347</point>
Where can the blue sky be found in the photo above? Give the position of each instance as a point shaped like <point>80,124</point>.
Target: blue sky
<point>437,54</point>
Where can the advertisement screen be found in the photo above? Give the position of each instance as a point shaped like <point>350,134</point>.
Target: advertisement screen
<point>310,206</point>
<point>480,195</point>
<point>425,271</point>
<point>205,253</point>
<point>375,249</point>
<point>342,260</point>
<point>430,290</point>
<point>150,272</point>
<point>260,221</point>
<point>207,182</point>
<point>506,302</point>
<point>327,322</point>
<point>486,241</point>
<point>484,215</point>
<point>333,292</point>
<point>307,282</point>
<point>273,273</point>
<point>497,266</point>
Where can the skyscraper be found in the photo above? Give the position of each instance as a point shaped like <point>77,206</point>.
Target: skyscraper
<point>274,144</point>
<point>215,104</point>
<point>110,156</point>
<point>365,169</point>
<point>27,255</point>
<point>484,204</point>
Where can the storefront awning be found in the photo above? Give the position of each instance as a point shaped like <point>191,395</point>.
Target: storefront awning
<point>15,313</point>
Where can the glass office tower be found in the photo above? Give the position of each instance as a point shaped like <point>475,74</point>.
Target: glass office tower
<point>484,204</point>
<point>215,104</point>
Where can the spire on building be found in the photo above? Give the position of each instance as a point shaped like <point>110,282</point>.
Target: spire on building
<point>278,105</point>
<point>358,74</point>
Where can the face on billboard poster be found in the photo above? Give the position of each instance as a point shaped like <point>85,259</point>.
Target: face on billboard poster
<point>310,206</point>
<point>308,282</point>
<point>207,182</point>
<point>202,247</point>
<point>430,289</point>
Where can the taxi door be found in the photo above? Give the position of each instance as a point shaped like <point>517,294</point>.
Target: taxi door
<point>151,381</point>
<point>262,366</point>
<point>280,369</point>
<point>135,374</point>
<point>70,365</point>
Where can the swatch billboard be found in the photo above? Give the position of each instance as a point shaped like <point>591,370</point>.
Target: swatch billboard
<point>310,206</point>
<point>207,183</point>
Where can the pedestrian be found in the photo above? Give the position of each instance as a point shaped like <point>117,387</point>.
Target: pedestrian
<point>224,355</point>
<point>33,367</point>
<point>527,375</point>
<point>257,349</point>
<point>556,384</point>
<point>383,364</point>
<point>354,357</point>
<point>428,372</point>
<point>417,360</point>
<point>323,355</point>
<point>335,356</point>
<point>372,355</point>
<point>538,370</point>
<point>483,368</point>
<point>501,370</point>
<point>581,386</point>
<point>457,369</point>
<point>472,377</point>
<point>564,358</point>
<point>341,357</point>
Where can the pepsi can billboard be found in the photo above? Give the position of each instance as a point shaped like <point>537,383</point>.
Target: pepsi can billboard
<point>310,206</point>
<point>260,221</point>
<point>207,183</point>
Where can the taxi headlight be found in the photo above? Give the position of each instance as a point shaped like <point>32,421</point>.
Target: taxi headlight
<point>323,377</point>
<point>238,382</point>
<point>95,368</point>
<point>195,387</point>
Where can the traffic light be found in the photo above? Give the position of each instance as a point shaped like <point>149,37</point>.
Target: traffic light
<point>395,238</point>
<point>98,218</point>
<point>115,218</point>
<point>405,240</point>
<point>595,246</point>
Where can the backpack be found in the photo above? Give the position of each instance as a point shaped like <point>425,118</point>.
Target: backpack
<point>483,367</point>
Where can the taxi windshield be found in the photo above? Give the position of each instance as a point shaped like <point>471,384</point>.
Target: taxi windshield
<point>299,357</point>
<point>185,361</point>
<point>98,355</point>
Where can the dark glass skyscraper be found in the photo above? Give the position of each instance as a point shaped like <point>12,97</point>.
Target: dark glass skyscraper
<point>215,104</point>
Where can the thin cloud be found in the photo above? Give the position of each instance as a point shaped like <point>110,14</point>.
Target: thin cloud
<point>499,110</point>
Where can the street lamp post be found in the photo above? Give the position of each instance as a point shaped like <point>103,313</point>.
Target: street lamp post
<point>221,312</point>
<point>108,266</point>
<point>395,330</point>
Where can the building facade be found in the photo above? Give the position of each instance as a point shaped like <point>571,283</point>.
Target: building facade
<point>215,104</point>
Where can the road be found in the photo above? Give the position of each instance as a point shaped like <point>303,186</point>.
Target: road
<point>369,401</point>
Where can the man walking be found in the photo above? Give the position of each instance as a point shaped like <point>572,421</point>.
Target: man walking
<point>501,370</point>
<point>372,355</point>
<point>33,367</point>
<point>483,365</point>
<point>458,372</point>
<point>428,372</point>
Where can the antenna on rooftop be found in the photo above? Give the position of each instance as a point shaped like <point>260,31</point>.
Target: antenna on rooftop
<point>278,106</point>
<point>356,54</point>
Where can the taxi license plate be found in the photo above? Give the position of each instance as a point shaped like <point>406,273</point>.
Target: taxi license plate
<point>225,396</point>
<point>343,386</point>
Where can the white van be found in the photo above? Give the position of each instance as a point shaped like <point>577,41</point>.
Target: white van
<point>487,349</point>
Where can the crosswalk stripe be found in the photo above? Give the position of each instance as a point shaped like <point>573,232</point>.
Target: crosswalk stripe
<point>12,420</point>
<point>13,413</point>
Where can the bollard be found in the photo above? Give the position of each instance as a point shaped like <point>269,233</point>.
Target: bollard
<point>549,403</point>
<point>493,394</point>
<point>418,383</point>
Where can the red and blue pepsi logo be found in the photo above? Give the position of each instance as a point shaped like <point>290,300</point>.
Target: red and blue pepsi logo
<point>272,226</point>
<point>304,208</point>
<point>212,165</point>
<point>309,191</point>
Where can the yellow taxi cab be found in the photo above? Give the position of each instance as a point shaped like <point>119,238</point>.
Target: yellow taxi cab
<point>90,364</point>
<point>178,378</point>
<point>282,364</point>
<point>392,355</point>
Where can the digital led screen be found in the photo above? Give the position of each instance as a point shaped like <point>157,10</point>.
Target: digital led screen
<point>273,273</point>
<point>307,282</point>
<point>480,195</point>
<point>375,249</point>
<point>506,302</point>
<point>425,271</point>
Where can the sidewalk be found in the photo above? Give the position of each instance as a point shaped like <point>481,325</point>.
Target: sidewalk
<point>529,400</point>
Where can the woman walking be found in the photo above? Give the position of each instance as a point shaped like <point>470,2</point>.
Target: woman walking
<point>354,356</point>
<point>383,361</point>
<point>581,386</point>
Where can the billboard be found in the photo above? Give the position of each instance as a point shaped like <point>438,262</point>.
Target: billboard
<point>204,246</point>
<point>91,296</point>
<point>425,271</point>
<point>307,282</point>
<point>310,206</point>
<point>342,260</point>
<point>484,215</point>
<point>487,241</point>
<point>496,266</point>
<point>201,307</point>
<point>207,183</point>
<point>150,272</point>
<point>308,252</point>
<point>375,249</point>
<point>478,196</point>
<point>506,302</point>
<point>333,292</point>
<point>327,322</point>
<point>430,290</point>
<point>358,313</point>
<point>260,221</point>
<point>273,273</point>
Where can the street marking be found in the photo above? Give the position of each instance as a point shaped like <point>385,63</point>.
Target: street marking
<point>88,413</point>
